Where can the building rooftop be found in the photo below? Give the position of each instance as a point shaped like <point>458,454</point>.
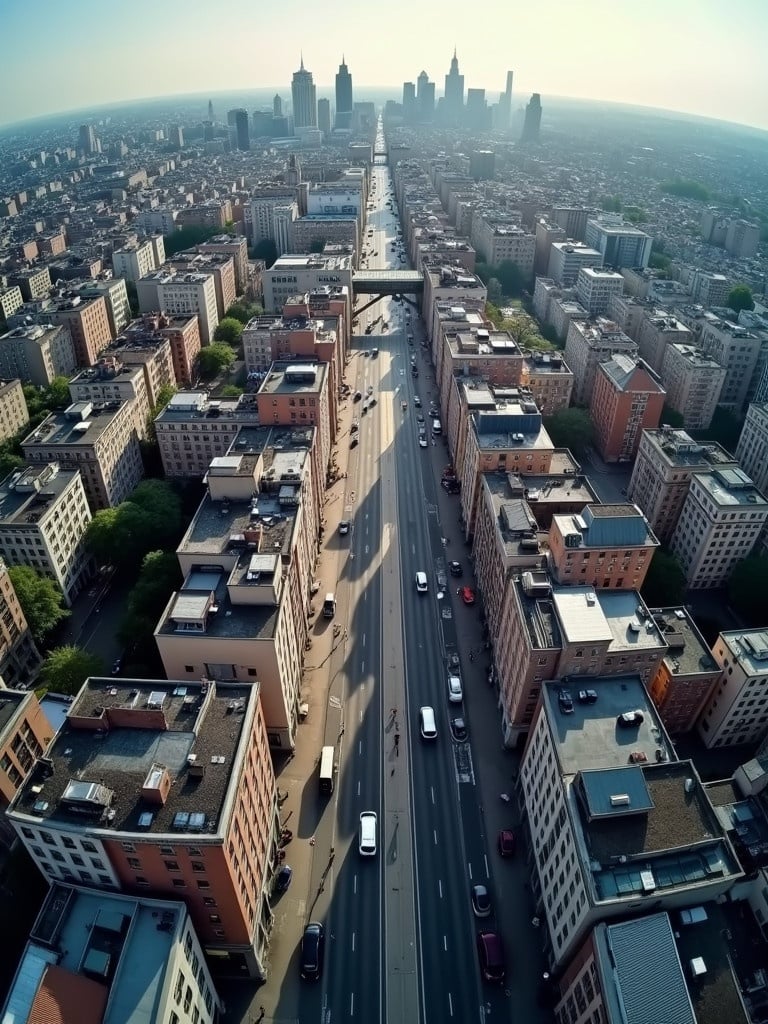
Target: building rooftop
<point>314,262</point>
<point>606,526</point>
<point>515,523</point>
<point>618,616</point>
<point>679,450</point>
<point>82,423</point>
<point>187,406</point>
<point>11,702</point>
<point>694,355</point>
<point>203,607</point>
<point>286,378</point>
<point>508,417</point>
<point>146,730</point>
<point>688,653</point>
<point>748,647</point>
<point>730,487</point>
<point>97,957</point>
<point>627,373</point>
<point>29,493</point>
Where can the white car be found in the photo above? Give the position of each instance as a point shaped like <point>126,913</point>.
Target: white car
<point>421,582</point>
<point>367,834</point>
<point>455,692</point>
<point>344,526</point>
<point>423,443</point>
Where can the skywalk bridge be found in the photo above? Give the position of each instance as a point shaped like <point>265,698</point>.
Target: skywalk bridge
<point>379,283</point>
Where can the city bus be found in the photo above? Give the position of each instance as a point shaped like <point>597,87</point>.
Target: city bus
<point>327,769</point>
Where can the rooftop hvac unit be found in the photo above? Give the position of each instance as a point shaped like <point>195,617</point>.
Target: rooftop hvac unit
<point>620,800</point>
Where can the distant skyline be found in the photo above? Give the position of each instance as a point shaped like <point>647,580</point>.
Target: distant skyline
<point>694,56</point>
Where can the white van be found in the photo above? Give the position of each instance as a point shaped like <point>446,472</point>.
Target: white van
<point>437,428</point>
<point>366,843</point>
<point>329,606</point>
<point>427,725</point>
<point>421,582</point>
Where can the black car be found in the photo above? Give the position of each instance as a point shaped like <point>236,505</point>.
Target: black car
<point>459,729</point>
<point>587,696</point>
<point>456,569</point>
<point>283,878</point>
<point>565,701</point>
<point>312,950</point>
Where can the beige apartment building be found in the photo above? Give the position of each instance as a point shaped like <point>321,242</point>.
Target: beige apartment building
<point>20,659</point>
<point>181,295</point>
<point>657,331</point>
<point>686,674</point>
<point>604,546</point>
<point>112,381</point>
<point>666,460</point>
<point>230,245</point>
<point>721,521</point>
<point>139,259</point>
<point>595,287</point>
<point>219,264</point>
<point>567,258</point>
<point>589,343</point>
<point>295,275</point>
<point>693,382</point>
<point>115,294</point>
<point>194,429</point>
<point>736,711</point>
<point>550,381</point>
<point>44,514</point>
<point>99,440</point>
<point>14,414</point>
<point>165,788</point>
<point>752,449</point>
<point>449,288</point>
<point>737,350</point>
<point>10,300</point>
<point>497,242</point>
<point>167,346</point>
<point>476,355</point>
<point>37,353</point>
<point>149,351</point>
<point>247,558</point>
<point>494,429</point>
<point>88,323</point>
<point>34,282</point>
<point>546,631</point>
<point>447,322</point>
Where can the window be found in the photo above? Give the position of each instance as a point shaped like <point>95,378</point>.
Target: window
<point>214,918</point>
<point>197,865</point>
<point>135,863</point>
<point>209,901</point>
<point>171,865</point>
<point>203,885</point>
<point>167,851</point>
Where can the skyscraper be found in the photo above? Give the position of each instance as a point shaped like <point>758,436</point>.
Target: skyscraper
<point>210,110</point>
<point>409,102</point>
<point>277,106</point>
<point>453,106</point>
<point>87,143</point>
<point>425,97</point>
<point>239,136</point>
<point>304,98</point>
<point>504,109</point>
<point>324,116</point>
<point>344,105</point>
<point>476,114</point>
<point>532,122</point>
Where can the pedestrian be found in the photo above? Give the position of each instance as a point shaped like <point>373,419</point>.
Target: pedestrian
<point>262,1013</point>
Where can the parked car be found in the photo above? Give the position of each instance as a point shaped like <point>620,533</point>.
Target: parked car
<point>490,951</point>
<point>565,701</point>
<point>506,842</point>
<point>481,901</point>
<point>459,730</point>
<point>423,443</point>
<point>357,396</point>
<point>587,696</point>
<point>456,569</point>
<point>455,692</point>
<point>344,526</point>
<point>467,595</point>
<point>283,878</point>
<point>312,950</point>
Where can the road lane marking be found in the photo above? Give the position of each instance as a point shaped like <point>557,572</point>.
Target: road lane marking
<point>440,887</point>
<point>469,866</point>
<point>432,791</point>
<point>362,666</point>
<point>450,1004</point>
<point>358,793</point>
<point>353,942</point>
<point>487,872</point>
<point>360,747</point>
<point>351,1004</point>
<point>445,944</point>
<point>363,639</point>
<point>434,834</point>
<point>354,884</point>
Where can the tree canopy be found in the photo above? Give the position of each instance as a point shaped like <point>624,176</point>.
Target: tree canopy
<point>67,668</point>
<point>40,599</point>
<point>124,534</point>
<point>158,578</point>
<point>229,331</point>
<point>747,590</point>
<point>215,358</point>
<point>665,581</point>
<point>683,188</point>
<point>244,311</point>
<point>570,428</point>
<point>184,238</point>
<point>265,250</point>
<point>740,297</point>
<point>672,417</point>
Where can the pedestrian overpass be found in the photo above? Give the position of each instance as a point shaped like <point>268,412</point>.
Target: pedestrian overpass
<point>379,283</point>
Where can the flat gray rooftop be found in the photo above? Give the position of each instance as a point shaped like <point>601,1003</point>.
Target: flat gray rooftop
<point>198,719</point>
<point>688,652</point>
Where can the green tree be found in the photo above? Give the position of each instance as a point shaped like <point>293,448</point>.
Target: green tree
<point>511,277</point>
<point>244,311</point>
<point>265,250</point>
<point>664,583</point>
<point>549,333</point>
<point>185,238</point>
<point>611,204</point>
<point>40,599</point>
<point>158,578</point>
<point>747,591</point>
<point>150,517</point>
<point>686,189</point>
<point>740,297</point>
<point>67,668</point>
<point>9,462</point>
<point>215,358</point>
<point>57,394</point>
<point>230,391</point>
<point>229,331</point>
<point>570,428</point>
<point>495,293</point>
<point>672,417</point>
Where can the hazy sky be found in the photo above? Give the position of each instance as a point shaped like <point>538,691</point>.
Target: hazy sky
<point>702,56</point>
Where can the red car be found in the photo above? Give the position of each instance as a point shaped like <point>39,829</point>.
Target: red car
<point>467,595</point>
<point>506,842</point>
